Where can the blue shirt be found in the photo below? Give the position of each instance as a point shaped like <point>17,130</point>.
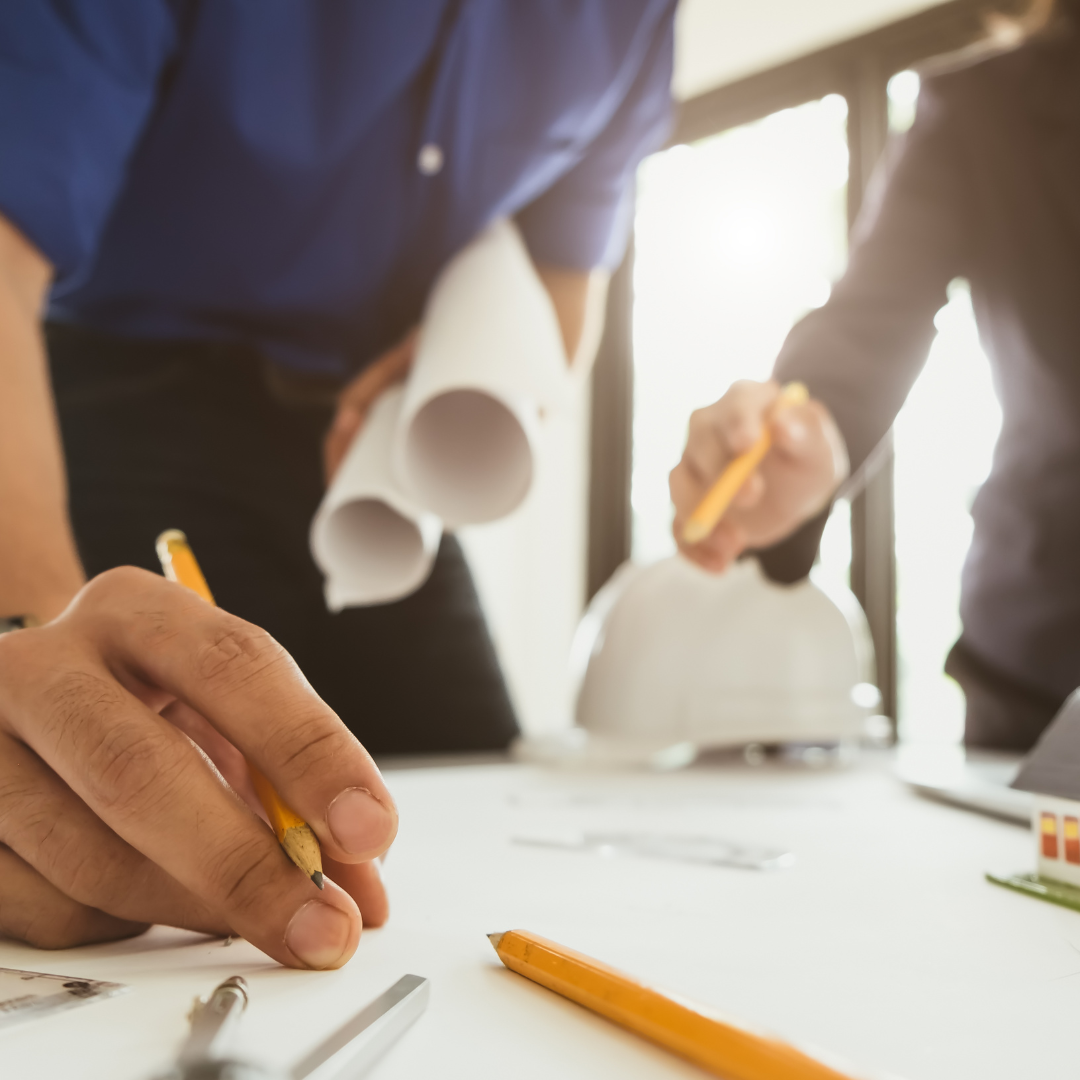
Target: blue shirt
<point>295,173</point>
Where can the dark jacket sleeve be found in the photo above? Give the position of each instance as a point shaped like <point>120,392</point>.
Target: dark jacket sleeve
<point>861,352</point>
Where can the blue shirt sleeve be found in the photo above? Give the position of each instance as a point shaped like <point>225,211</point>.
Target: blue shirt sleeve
<point>78,80</point>
<point>584,219</point>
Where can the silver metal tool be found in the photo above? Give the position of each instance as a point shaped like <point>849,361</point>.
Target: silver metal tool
<point>346,1054</point>
<point>26,995</point>
<point>359,1043</point>
<point>213,1022</point>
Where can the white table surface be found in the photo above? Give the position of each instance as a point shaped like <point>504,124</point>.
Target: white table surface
<point>883,944</point>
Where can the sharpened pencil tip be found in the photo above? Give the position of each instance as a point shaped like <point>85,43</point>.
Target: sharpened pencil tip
<point>317,878</point>
<point>496,939</point>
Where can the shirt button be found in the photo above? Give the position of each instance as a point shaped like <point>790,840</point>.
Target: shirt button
<point>430,159</point>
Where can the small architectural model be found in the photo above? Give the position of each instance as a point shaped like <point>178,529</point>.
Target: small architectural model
<point>1051,772</point>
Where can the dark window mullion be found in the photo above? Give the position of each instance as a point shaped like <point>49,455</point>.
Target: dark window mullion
<point>873,533</point>
<point>612,432</point>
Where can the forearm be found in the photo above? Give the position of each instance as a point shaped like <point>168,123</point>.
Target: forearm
<point>579,297</point>
<point>861,353</point>
<point>39,566</point>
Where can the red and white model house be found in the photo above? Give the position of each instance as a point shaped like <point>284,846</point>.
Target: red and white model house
<point>1051,772</point>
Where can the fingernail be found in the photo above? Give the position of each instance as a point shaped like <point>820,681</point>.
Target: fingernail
<point>359,822</point>
<point>796,429</point>
<point>318,934</point>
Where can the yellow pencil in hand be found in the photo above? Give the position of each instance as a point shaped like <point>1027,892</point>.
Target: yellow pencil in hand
<point>713,506</point>
<point>294,834</point>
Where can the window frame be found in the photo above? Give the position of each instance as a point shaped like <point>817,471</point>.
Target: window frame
<point>859,69</point>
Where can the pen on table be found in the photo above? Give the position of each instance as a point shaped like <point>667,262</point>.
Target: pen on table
<point>294,834</point>
<point>351,1050</point>
<point>713,506</point>
<point>721,1047</point>
<point>213,1021</point>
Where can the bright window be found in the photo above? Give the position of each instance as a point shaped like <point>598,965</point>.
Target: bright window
<point>737,236</point>
<point>944,440</point>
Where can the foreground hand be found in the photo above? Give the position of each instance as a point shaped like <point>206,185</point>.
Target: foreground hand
<point>356,399</point>
<point>111,818</point>
<point>805,465</point>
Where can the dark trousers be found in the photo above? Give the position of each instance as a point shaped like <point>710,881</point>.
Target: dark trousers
<point>209,439</point>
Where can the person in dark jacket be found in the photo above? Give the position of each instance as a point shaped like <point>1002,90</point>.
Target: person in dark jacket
<point>985,185</point>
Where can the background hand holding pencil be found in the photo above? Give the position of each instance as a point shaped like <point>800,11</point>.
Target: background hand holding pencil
<point>758,463</point>
<point>718,498</point>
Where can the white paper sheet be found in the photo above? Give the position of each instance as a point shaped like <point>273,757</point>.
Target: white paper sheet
<point>489,362</point>
<point>882,944</point>
<point>370,541</point>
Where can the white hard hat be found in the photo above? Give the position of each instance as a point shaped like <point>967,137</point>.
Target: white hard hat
<point>669,655</point>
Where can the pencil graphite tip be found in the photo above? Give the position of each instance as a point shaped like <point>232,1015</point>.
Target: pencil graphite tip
<point>317,878</point>
<point>496,939</point>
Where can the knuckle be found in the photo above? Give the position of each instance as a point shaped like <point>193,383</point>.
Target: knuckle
<point>102,879</point>
<point>120,580</point>
<point>745,393</point>
<point>33,911</point>
<point>71,699</point>
<point>237,654</point>
<point>243,874</point>
<point>700,422</point>
<point>121,762</point>
<point>126,772</point>
<point>304,743</point>
<point>67,924</point>
<point>52,929</point>
<point>23,811</point>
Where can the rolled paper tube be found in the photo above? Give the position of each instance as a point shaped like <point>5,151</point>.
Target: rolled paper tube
<point>489,362</point>
<point>371,542</point>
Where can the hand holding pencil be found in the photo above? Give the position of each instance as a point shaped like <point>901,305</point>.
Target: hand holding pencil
<point>298,840</point>
<point>113,719</point>
<point>757,464</point>
<point>294,834</point>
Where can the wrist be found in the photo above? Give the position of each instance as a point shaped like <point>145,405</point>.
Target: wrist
<point>40,602</point>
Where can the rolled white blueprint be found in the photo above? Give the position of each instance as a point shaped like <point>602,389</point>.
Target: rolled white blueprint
<point>489,361</point>
<point>371,543</point>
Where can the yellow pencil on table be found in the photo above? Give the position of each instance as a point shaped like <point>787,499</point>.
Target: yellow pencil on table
<point>721,1047</point>
<point>294,834</point>
<point>713,506</point>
